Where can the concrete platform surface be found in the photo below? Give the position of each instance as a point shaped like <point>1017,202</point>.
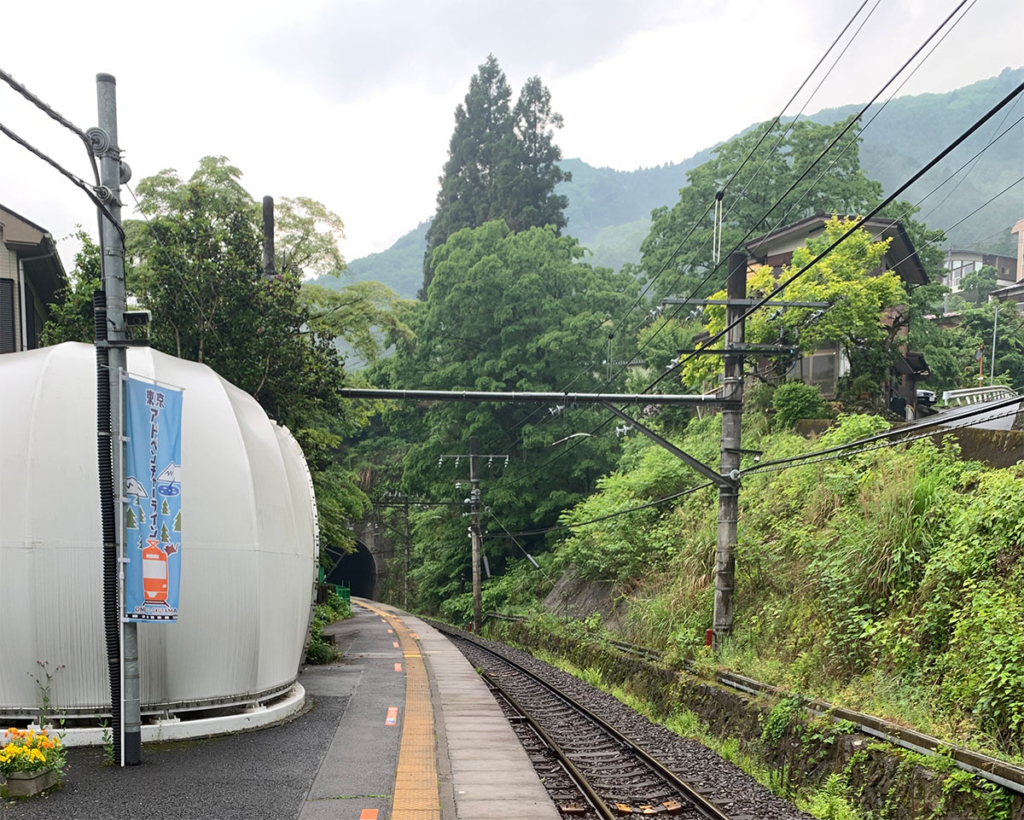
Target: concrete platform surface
<point>399,728</point>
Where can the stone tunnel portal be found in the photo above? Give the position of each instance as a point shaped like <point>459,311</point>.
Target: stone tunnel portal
<point>355,570</point>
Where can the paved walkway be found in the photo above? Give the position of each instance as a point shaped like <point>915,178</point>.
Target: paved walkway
<point>400,728</point>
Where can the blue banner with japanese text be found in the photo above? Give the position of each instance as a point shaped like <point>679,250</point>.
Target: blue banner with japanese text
<point>153,501</point>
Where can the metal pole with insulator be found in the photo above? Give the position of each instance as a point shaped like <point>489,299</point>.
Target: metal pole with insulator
<point>732,415</point>
<point>474,529</point>
<point>112,173</point>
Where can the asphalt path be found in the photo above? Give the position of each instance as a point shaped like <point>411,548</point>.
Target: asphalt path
<point>264,774</point>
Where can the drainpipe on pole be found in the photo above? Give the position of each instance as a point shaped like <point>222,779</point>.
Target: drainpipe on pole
<point>21,307</point>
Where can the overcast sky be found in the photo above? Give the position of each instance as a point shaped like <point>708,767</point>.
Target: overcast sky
<point>352,102</point>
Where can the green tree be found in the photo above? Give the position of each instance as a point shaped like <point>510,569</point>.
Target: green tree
<point>502,162</point>
<point>980,283</point>
<point>164,534</point>
<point>195,264</point>
<point>71,320</point>
<point>177,522</point>
<point>858,299</point>
<point>306,236</point>
<point>362,313</point>
<point>506,311</point>
<point>165,508</point>
<point>776,164</point>
<point>130,521</point>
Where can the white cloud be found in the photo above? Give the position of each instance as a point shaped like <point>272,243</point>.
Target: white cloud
<point>352,103</point>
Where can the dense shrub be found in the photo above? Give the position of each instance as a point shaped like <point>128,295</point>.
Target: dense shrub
<point>795,400</point>
<point>890,580</point>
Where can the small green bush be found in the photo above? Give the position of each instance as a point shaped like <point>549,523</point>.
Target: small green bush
<point>795,400</point>
<point>319,650</point>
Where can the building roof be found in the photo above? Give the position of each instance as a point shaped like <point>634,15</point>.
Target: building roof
<point>35,248</point>
<point>906,262</point>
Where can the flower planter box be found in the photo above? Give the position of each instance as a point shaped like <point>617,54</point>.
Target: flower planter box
<point>27,784</point>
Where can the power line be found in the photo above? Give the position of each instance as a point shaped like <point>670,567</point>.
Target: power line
<point>807,171</point>
<point>775,148</point>
<point>521,547</point>
<point>90,191</point>
<point>54,115</point>
<point>743,164</point>
<point>649,504</point>
<point>760,141</point>
<point>868,443</point>
<point>874,116</point>
<point>952,146</point>
<point>855,227</point>
<point>829,454</point>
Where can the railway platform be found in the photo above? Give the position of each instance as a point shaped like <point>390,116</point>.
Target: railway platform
<point>422,738</point>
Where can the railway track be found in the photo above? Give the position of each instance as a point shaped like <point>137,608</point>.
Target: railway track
<point>604,773</point>
<point>997,771</point>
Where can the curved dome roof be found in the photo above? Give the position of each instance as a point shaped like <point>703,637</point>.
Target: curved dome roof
<point>249,540</point>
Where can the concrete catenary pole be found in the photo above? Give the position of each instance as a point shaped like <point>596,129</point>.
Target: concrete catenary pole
<point>405,573</point>
<point>995,325</point>
<point>728,496</point>
<point>112,172</point>
<point>474,529</point>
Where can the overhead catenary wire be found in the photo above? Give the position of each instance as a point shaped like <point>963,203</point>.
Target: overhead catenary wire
<point>858,224</point>
<point>848,450</point>
<point>867,125</point>
<point>853,120</point>
<point>761,303</point>
<point>56,116</point>
<point>743,164</point>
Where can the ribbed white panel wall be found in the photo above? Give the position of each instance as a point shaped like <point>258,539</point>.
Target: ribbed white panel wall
<point>248,540</point>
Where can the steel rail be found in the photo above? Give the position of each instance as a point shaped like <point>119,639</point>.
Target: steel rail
<point>989,768</point>
<point>575,774</point>
<point>997,771</point>
<point>704,807</point>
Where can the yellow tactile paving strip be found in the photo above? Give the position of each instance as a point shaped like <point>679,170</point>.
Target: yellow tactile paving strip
<point>416,796</point>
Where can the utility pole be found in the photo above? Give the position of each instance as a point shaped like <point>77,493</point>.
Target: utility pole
<point>732,415</point>
<point>995,325</point>
<point>405,574</point>
<point>112,173</point>
<point>474,529</point>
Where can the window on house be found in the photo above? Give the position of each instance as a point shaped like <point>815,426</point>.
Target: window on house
<point>6,315</point>
<point>819,369</point>
<point>958,269</point>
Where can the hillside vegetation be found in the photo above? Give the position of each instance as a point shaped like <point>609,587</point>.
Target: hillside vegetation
<point>608,207</point>
<point>890,581</point>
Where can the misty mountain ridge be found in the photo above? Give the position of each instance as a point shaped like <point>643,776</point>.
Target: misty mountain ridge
<point>609,210</point>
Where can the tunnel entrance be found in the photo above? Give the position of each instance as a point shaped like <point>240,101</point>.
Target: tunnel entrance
<point>355,570</point>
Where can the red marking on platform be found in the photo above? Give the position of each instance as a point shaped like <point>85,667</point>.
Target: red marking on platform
<point>398,667</point>
<point>368,814</point>
<point>395,644</point>
<point>391,632</point>
<point>392,718</point>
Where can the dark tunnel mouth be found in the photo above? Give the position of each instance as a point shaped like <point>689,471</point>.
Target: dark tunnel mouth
<point>355,570</point>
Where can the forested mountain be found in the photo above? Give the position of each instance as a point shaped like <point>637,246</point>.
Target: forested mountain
<point>609,210</point>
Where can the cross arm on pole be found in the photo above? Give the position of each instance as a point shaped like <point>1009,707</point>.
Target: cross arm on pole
<point>744,302</point>
<point>543,398</point>
<point>699,466</point>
